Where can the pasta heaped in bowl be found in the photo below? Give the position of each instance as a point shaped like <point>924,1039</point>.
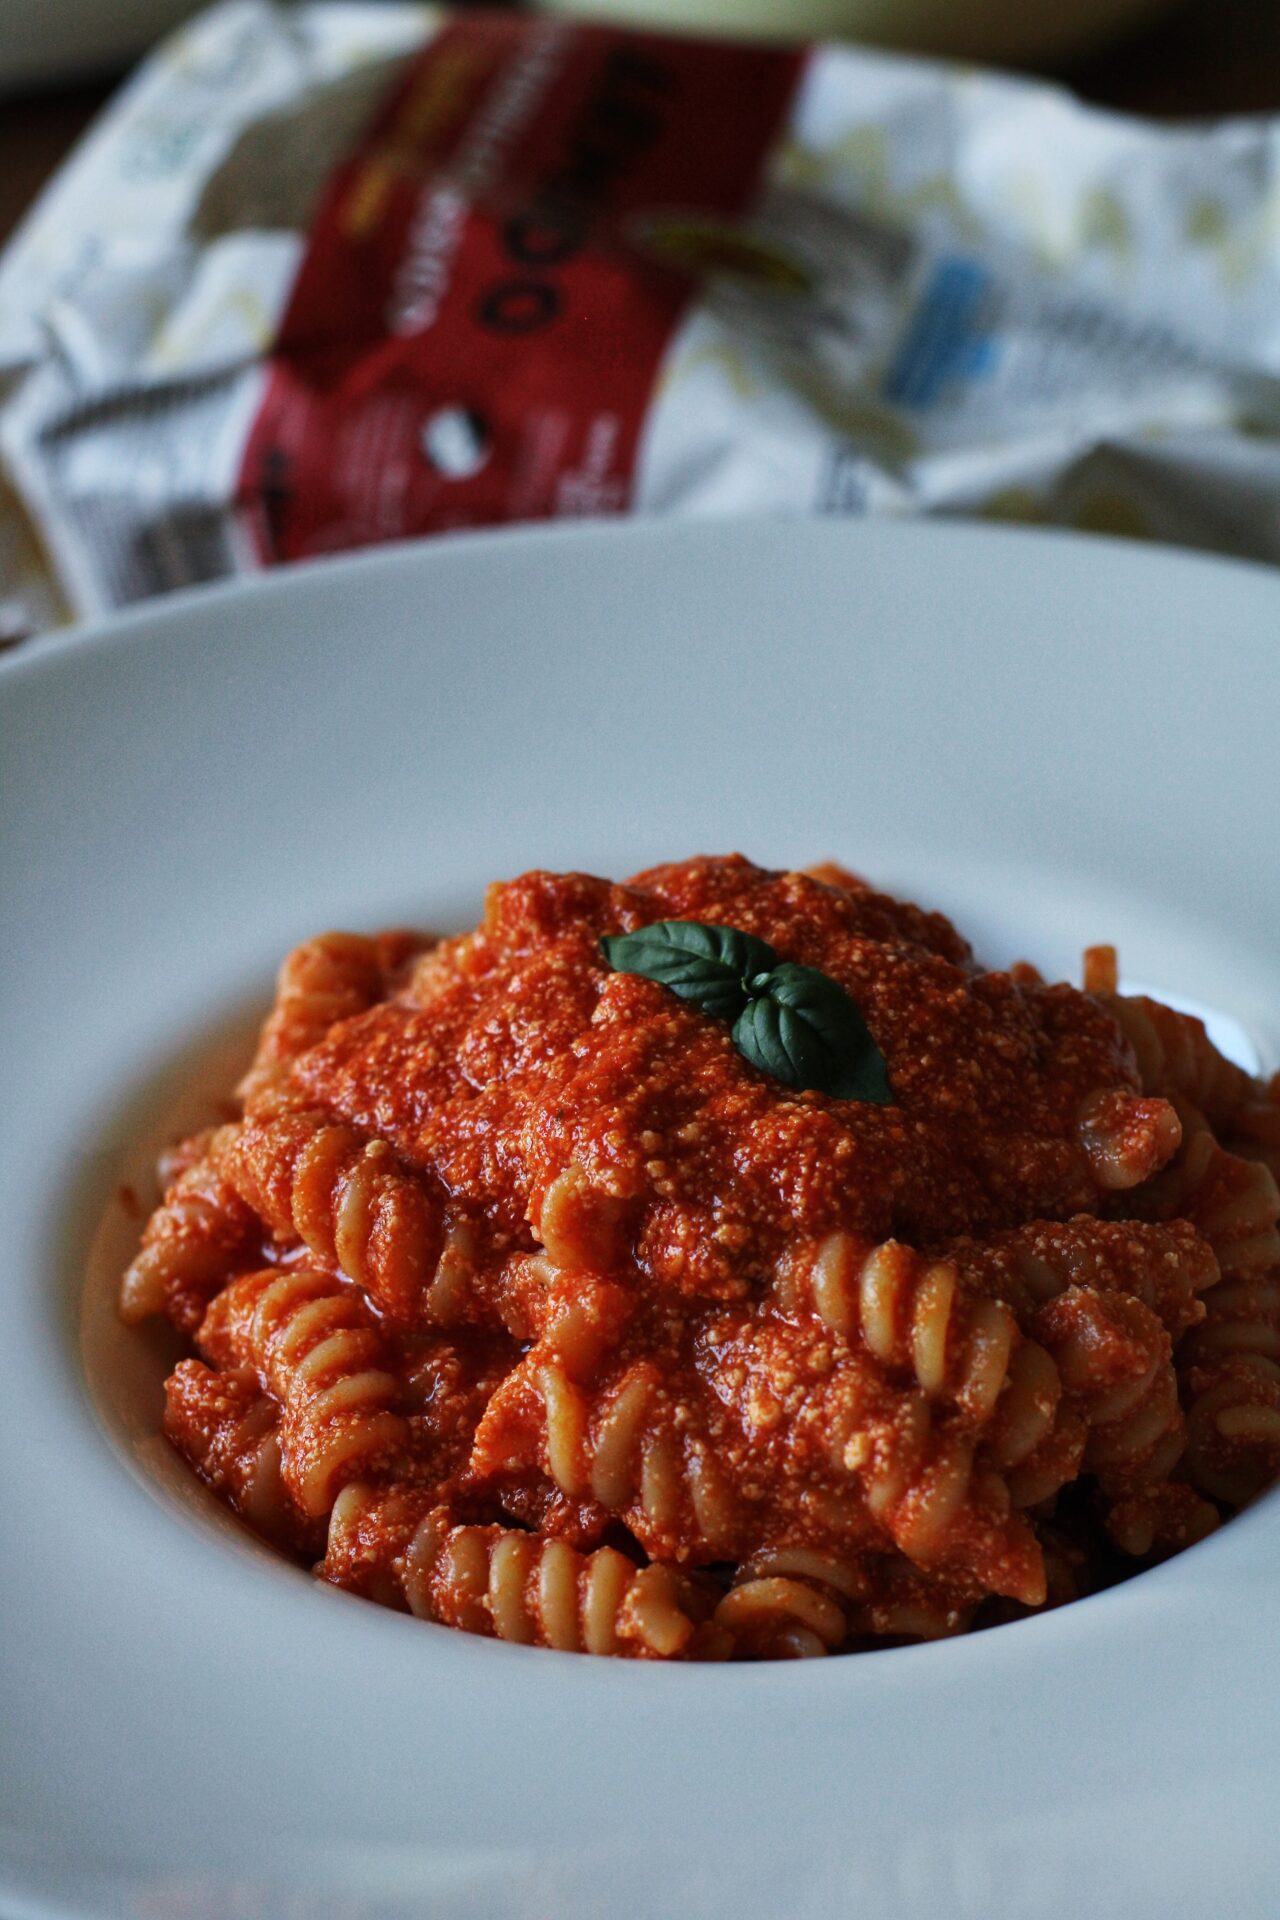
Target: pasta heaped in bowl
<point>722,1265</point>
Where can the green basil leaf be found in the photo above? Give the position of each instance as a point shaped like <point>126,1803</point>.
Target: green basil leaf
<point>791,1022</point>
<point>707,965</point>
<point>803,1029</point>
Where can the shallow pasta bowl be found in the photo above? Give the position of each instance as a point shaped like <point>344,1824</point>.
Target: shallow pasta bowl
<point>1057,741</point>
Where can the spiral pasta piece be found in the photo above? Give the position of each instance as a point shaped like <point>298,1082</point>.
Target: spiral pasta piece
<point>1169,1268</point>
<point>201,1232</point>
<point>772,1616</point>
<point>793,1603</point>
<point>790,1603</point>
<point>313,1345</point>
<point>1037,1438</point>
<point>911,1313</point>
<point>623,1444</point>
<point>922,1318</point>
<point>349,1202</point>
<point>905,1604</point>
<point>899,1467</point>
<point>504,1583</point>
<point>921,1483</point>
<point>228,1429</point>
<point>580,1226</point>
<point>1233,1448</point>
<point>1255,1128</point>
<point>1157,1521</point>
<point>330,978</point>
<point>1242,1317</point>
<point>1114,1356</point>
<point>576,1317</point>
<point>1127,1137</point>
<point>1174,1053</point>
<point>1232,1202</point>
<point>1231,1369</point>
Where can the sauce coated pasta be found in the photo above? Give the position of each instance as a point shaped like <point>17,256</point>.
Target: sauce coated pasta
<point>535,1296</point>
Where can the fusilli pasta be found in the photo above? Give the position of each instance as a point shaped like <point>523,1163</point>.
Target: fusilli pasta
<point>325,980</point>
<point>229,1429</point>
<point>193,1241</point>
<point>525,1301</point>
<point>313,1344</point>
<point>501,1582</point>
<point>349,1202</point>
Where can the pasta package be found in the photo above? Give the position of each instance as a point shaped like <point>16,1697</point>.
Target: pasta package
<point>331,275</point>
<point>721,1265</point>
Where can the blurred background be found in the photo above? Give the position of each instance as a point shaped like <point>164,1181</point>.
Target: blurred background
<point>262,322</point>
<point>1171,58</point>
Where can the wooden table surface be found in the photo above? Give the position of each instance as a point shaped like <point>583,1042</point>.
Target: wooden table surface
<point>1207,57</point>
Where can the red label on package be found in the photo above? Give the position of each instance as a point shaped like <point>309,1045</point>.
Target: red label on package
<point>494,275</point>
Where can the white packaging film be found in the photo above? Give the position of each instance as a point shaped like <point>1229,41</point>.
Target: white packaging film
<point>332,274</point>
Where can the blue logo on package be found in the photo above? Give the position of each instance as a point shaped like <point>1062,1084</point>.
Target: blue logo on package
<point>949,338</point>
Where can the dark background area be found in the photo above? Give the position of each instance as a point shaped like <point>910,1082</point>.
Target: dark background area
<point>1205,58</point>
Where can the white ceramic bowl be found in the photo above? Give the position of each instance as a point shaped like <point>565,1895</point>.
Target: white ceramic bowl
<point>1058,740</point>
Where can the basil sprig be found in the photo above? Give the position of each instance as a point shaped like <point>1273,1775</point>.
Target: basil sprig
<point>791,1022</point>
